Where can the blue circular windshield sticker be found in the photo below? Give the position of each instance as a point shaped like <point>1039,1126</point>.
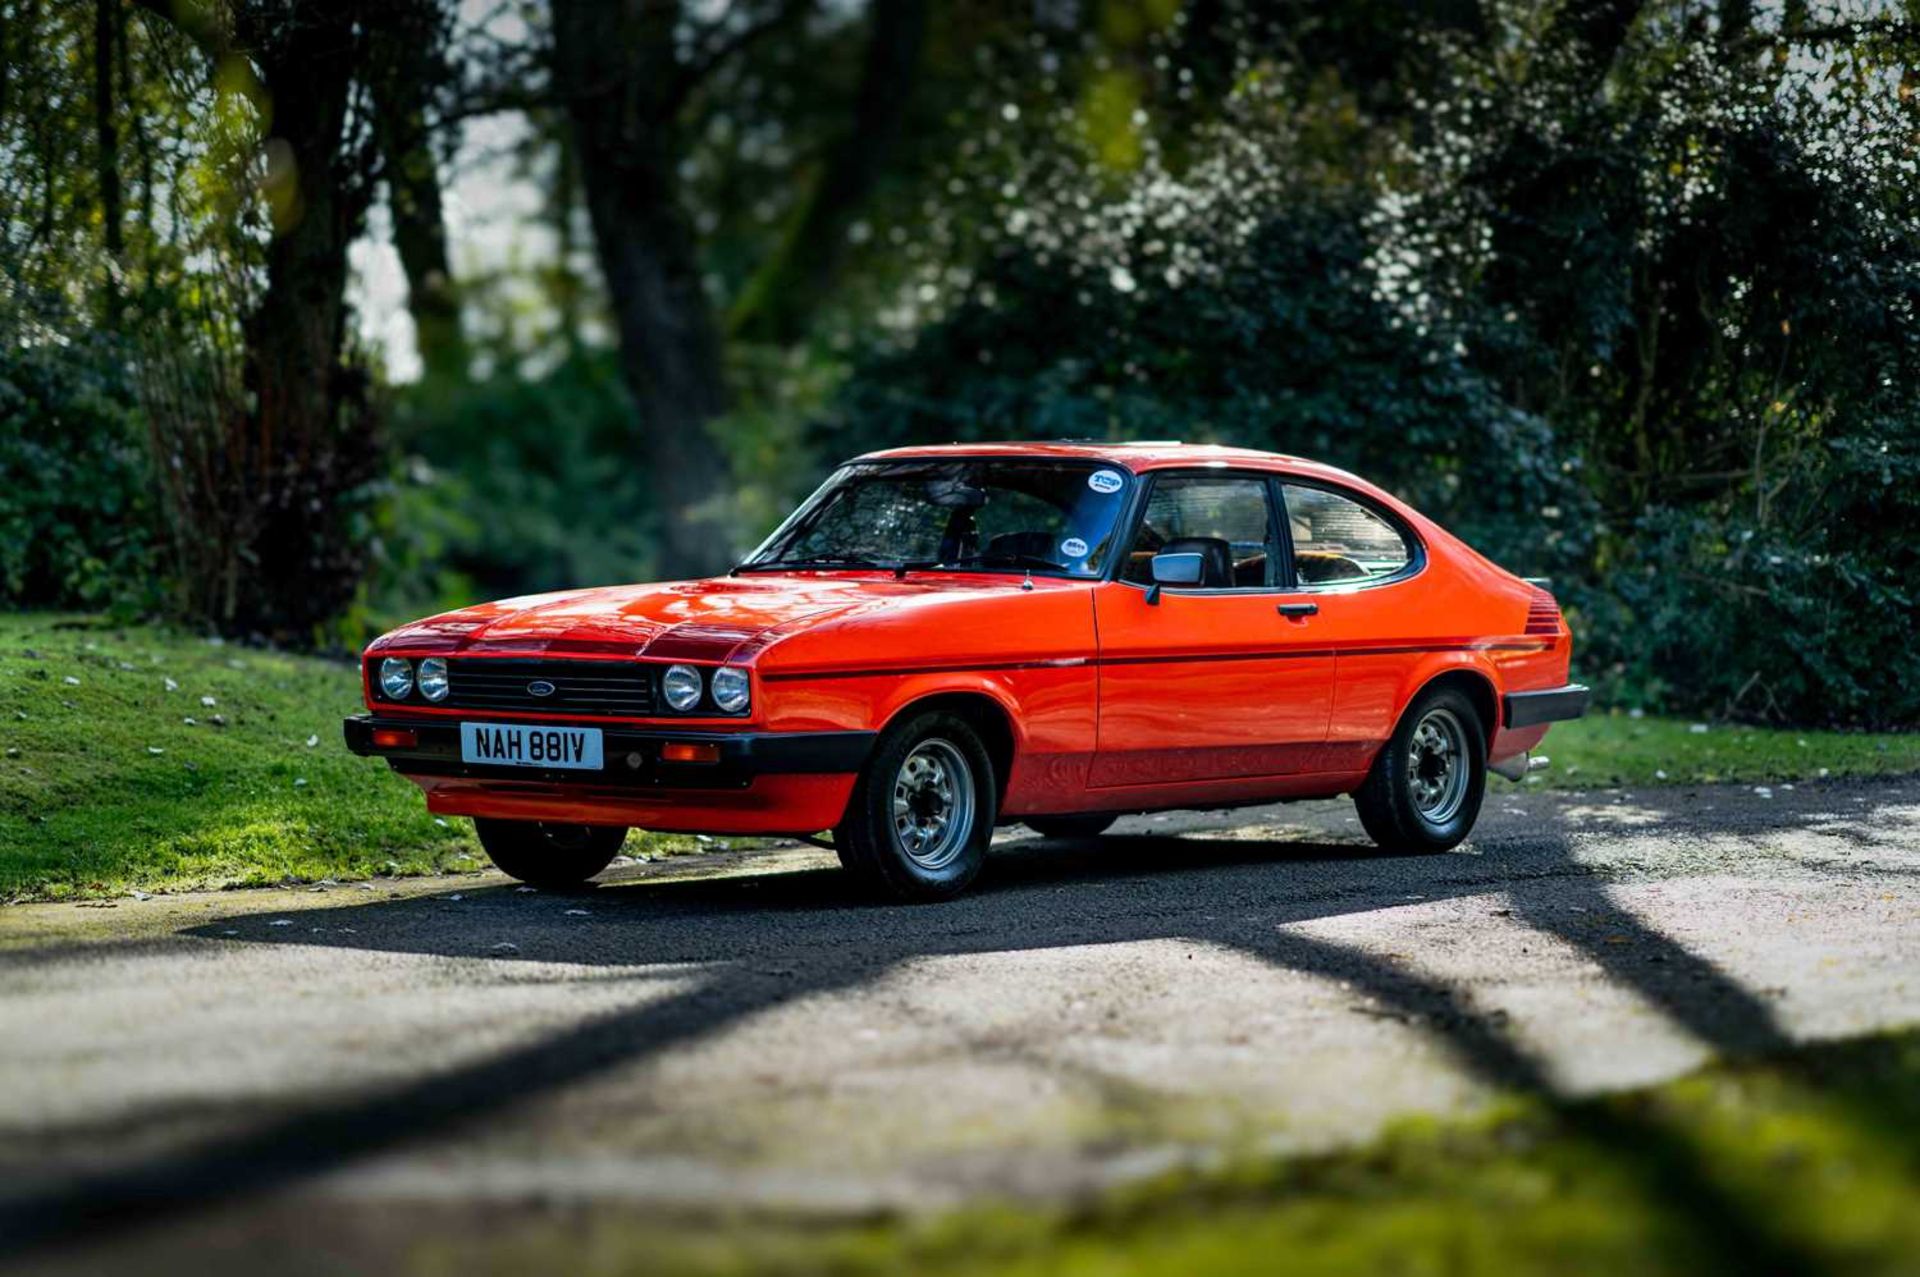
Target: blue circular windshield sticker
<point>1074,548</point>
<point>1104,481</point>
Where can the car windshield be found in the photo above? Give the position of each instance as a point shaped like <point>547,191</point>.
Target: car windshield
<point>968,514</point>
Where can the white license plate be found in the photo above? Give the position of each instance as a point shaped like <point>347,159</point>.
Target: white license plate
<point>515,745</point>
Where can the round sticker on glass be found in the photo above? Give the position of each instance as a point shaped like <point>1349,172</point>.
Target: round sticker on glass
<point>1074,548</point>
<point>1104,481</point>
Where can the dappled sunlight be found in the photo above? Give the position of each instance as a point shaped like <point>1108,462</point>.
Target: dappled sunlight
<point>1620,813</point>
<point>1098,1008</point>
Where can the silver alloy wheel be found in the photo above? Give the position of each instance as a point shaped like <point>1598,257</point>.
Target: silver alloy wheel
<point>1437,766</point>
<point>933,804</point>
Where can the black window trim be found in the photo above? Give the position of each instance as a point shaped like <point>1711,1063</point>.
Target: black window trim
<point>1278,539</point>
<point>1417,548</point>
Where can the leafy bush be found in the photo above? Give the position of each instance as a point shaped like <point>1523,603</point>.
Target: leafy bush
<point>1286,349</point>
<point>516,485</point>
<point>1657,343</point>
<point>77,521</point>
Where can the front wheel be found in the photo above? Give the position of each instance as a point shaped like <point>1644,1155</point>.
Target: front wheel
<point>922,812</point>
<point>1424,791</point>
<point>543,854</point>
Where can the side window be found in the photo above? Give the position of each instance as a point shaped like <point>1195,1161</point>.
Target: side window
<point>1336,539</point>
<point>1223,519</point>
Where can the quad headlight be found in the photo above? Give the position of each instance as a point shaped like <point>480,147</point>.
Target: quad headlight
<point>731,689</point>
<point>432,678</point>
<point>396,678</point>
<point>680,685</point>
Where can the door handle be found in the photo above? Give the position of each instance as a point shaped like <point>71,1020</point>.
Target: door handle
<point>1299,609</point>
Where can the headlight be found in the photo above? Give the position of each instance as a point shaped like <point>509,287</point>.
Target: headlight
<point>396,678</point>
<point>730,689</point>
<point>681,686</point>
<point>433,679</point>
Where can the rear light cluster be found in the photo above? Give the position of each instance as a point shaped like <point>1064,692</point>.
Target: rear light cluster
<point>1543,614</point>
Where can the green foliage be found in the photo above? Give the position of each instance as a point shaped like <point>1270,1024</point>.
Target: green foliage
<point>129,779</point>
<point>1286,348</point>
<point>1628,294</point>
<point>1656,342</point>
<point>76,513</point>
<point>518,484</point>
<point>1709,282</point>
<point>1606,749</point>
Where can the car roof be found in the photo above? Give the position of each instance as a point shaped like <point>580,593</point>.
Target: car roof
<point>1137,457</point>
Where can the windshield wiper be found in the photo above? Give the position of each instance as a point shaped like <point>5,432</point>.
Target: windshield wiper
<point>898,567</point>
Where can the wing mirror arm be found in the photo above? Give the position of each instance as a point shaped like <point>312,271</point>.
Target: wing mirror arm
<point>1174,569</point>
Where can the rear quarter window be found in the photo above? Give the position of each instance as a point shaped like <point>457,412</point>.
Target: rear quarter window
<point>1339,540</point>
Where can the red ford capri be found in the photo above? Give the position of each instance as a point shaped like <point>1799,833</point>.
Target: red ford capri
<point>945,639</point>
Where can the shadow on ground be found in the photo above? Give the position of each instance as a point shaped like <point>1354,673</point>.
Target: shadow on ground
<point>755,941</point>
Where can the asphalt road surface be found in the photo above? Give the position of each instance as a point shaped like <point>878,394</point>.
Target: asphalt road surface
<point>736,1032</point>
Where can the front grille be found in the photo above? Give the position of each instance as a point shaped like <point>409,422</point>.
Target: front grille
<point>614,688</point>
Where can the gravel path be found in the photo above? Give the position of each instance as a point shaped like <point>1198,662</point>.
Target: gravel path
<point>733,1030</point>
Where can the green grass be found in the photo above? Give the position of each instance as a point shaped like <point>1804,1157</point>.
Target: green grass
<point>105,787</point>
<point>1605,749</point>
<point>1808,1163</point>
<point>88,808</point>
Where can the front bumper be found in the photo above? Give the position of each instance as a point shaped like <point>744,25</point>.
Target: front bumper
<point>633,756</point>
<point>1553,705</point>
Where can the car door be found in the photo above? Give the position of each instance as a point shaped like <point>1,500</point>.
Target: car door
<point>1210,682</point>
<point>1353,562</point>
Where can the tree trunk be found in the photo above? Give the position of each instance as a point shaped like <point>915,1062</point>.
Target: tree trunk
<point>410,66</point>
<point>265,488</point>
<point>786,293</point>
<point>107,18</point>
<point>614,62</point>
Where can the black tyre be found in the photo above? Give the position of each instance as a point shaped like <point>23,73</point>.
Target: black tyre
<point>1425,789</point>
<point>1090,826</point>
<point>543,854</point>
<point>922,812</point>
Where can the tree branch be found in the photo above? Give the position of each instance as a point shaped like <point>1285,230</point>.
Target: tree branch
<point>706,62</point>
<point>217,30</point>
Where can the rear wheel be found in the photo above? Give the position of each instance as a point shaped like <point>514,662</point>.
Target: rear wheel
<point>1425,788</point>
<point>922,812</point>
<point>1089,826</point>
<point>544,854</point>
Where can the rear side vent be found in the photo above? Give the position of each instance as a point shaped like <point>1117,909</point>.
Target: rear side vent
<point>1543,614</point>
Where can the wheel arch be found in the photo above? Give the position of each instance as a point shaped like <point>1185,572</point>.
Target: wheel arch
<point>984,713</point>
<point>1479,688</point>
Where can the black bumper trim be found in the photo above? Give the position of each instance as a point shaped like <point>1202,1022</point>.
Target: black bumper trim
<point>632,756</point>
<point>1555,705</point>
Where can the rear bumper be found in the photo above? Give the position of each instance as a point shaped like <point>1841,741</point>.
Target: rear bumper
<point>1553,705</point>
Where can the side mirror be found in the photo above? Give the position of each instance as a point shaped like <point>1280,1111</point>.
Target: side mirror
<point>1175,569</point>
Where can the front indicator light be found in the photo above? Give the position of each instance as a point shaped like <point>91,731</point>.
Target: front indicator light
<point>681,751</point>
<point>731,689</point>
<point>394,738</point>
<point>396,678</point>
<point>432,679</point>
<point>681,686</point>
